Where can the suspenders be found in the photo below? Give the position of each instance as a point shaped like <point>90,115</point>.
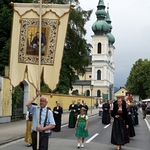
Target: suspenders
<point>45,117</point>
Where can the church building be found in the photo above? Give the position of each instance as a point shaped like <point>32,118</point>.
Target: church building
<point>98,81</point>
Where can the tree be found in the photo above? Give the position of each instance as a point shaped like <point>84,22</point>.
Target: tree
<point>5,24</point>
<point>138,82</point>
<point>76,50</point>
<point>16,98</point>
<point>6,12</point>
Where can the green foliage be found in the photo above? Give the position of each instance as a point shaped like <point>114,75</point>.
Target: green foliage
<point>5,31</point>
<point>76,49</point>
<point>5,24</point>
<point>16,97</point>
<point>4,55</point>
<point>44,88</point>
<point>138,82</point>
<point>62,1</point>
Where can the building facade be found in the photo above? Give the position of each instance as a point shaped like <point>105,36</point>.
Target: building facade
<point>98,80</point>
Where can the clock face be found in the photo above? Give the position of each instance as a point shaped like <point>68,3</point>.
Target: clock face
<point>109,53</point>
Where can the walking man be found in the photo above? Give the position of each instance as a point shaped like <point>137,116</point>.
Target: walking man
<point>144,106</point>
<point>46,122</point>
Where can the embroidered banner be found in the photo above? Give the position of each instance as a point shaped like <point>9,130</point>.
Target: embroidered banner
<point>25,42</point>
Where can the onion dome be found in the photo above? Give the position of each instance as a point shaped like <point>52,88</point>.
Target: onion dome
<point>101,27</point>
<point>111,39</point>
<point>108,20</point>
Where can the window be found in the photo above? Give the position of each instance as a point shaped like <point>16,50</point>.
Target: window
<point>98,93</point>
<point>99,48</point>
<point>98,75</point>
<point>122,91</point>
<point>88,93</point>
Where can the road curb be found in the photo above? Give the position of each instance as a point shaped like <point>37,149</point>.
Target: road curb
<point>11,140</point>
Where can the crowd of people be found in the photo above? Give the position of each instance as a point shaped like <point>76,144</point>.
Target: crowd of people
<point>50,120</point>
<point>125,117</point>
<point>124,114</point>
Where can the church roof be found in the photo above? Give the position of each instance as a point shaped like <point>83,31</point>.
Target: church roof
<point>103,26</point>
<point>109,34</point>
<point>100,27</point>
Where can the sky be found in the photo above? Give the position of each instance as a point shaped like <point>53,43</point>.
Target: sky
<point>131,29</point>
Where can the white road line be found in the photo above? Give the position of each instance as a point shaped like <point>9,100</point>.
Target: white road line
<point>64,125</point>
<point>106,126</point>
<point>13,142</point>
<point>147,124</point>
<point>89,140</point>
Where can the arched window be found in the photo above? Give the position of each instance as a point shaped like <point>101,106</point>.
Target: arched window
<point>98,93</point>
<point>98,75</point>
<point>88,93</point>
<point>99,48</point>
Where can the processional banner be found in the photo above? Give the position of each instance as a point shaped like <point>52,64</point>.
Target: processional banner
<point>24,56</point>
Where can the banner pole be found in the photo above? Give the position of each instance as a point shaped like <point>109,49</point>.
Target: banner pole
<point>39,67</point>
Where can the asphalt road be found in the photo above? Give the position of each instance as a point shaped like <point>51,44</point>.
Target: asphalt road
<point>99,138</point>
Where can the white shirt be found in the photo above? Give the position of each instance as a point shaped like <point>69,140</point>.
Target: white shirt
<point>27,115</point>
<point>100,107</point>
<point>82,116</point>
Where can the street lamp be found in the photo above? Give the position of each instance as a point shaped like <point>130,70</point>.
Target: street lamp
<point>91,87</point>
<point>82,89</point>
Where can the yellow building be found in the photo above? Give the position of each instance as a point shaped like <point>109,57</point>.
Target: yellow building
<point>120,93</point>
<point>5,100</point>
<point>97,83</point>
<point>28,92</point>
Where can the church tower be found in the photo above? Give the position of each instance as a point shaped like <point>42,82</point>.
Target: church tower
<point>103,54</point>
<point>98,81</point>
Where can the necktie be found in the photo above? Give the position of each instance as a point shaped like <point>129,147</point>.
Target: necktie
<point>40,116</point>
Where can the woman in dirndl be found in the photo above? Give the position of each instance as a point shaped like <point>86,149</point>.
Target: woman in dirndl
<point>119,135</point>
<point>81,127</point>
<point>73,108</point>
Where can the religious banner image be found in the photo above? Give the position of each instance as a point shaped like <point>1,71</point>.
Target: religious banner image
<point>33,41</point>
<point>26,29</point>
<point>29,41</point>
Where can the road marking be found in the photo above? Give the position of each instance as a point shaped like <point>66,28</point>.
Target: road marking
<point>147,124</point>
<point>13,142</point>
<point>106,126</point>
<point>93,116</point>
<point>89,140</point>
<point>64,125</point>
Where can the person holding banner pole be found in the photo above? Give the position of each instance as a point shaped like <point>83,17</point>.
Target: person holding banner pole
<point>46,122</point>
<point>39,70</point>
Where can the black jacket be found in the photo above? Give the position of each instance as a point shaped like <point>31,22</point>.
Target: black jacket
<point>124,113</point>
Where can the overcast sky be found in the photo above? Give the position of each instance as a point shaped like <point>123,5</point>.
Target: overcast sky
<point>131,29</point>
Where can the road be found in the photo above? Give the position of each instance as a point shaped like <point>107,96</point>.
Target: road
<point>99,138</point>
